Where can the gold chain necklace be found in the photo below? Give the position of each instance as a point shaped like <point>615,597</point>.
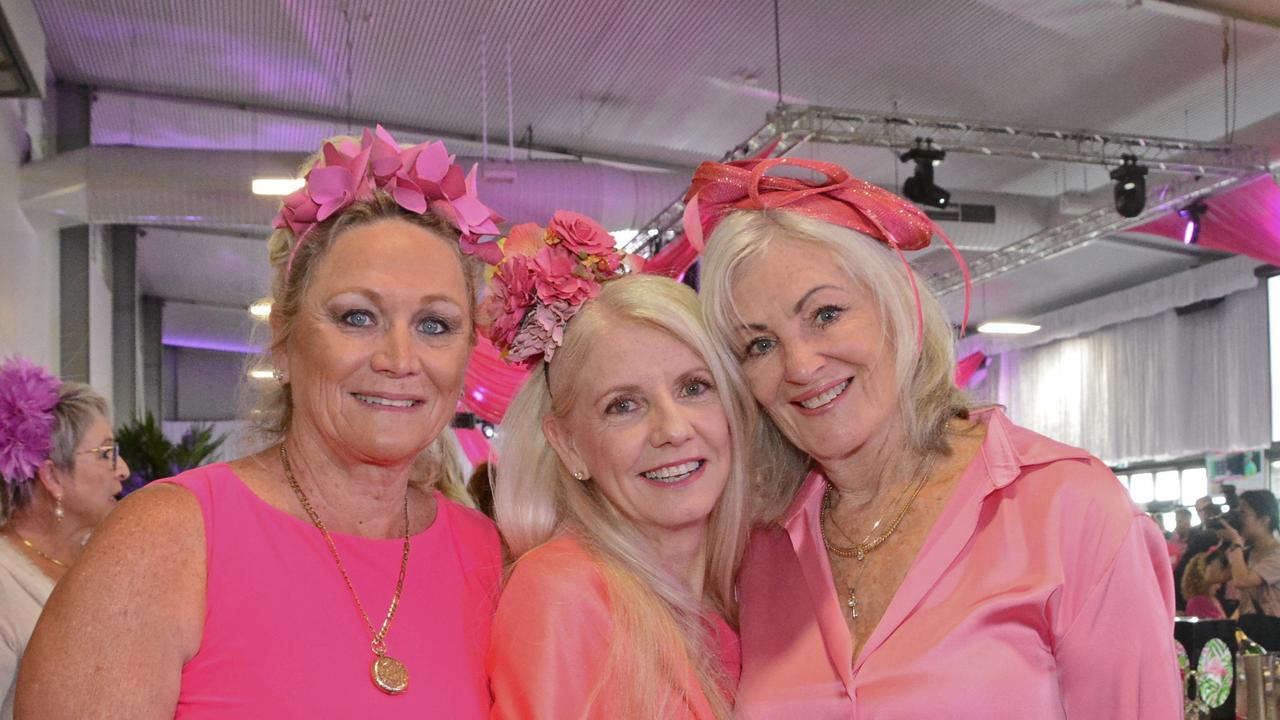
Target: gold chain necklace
<point>861,550</point>
<point>37,551</point>
<point>389,674</point>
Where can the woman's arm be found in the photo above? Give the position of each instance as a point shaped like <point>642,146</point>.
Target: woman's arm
<point>118,628</point>
<point>1116,659</point>
<point>1242,576</point>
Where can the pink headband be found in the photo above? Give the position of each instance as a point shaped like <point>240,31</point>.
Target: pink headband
<point>718,189</point>
<point>543,280</point>
<point>421,178</point>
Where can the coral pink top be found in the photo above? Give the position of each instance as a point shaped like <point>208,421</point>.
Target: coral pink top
<point>1204,607</point>
<point>1040,592</point>
<point>552,638</point>
<point>282,637</point>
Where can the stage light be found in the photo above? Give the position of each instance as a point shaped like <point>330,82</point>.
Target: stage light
<point>261,309</point>
<point>920,188</point>
<point>486,429</point>
<point>1193,214</point>
<point>276,186</point>
<point>262,373</point>
<point>1131,186</point>
<point>1007,328</point>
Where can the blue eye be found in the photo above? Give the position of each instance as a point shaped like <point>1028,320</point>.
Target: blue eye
<point>357,318</point>
<point>433,326</point>
<point>827,314</point>
<point>621,406</point>
<point>759,346</point>
<point>694,388</point>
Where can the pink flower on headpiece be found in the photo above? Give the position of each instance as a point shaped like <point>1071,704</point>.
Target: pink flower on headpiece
<point>544,279</point>
<point>28,395</point>
<point>581,234</point>
<point>420,178</point>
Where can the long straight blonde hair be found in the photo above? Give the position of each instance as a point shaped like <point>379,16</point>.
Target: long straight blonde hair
<point>660,627</point>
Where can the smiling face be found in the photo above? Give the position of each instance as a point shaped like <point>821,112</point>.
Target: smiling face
<point>814,350</point>
<point>89,490</point>
<point>648,427</point>
<point>376,358</point>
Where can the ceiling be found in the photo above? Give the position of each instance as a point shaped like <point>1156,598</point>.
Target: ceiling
<point>666,84</point>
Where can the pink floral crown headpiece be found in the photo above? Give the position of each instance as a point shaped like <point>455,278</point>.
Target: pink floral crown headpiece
<point>543,280</point>
<point>28,396</point>
<point>421,178</point>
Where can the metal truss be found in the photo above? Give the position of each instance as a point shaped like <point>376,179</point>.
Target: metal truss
<point>1204,167</point>
<point>1079,231</point>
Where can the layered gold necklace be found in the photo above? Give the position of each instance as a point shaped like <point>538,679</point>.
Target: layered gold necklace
<point>37,550</point>
<point>860,550</point>
<point>389,675</point>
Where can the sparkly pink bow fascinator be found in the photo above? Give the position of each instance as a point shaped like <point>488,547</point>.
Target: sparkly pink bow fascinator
<point>421,178</point>
<point>28,396</point>
<point>721,188</point>
<point>544,278</point>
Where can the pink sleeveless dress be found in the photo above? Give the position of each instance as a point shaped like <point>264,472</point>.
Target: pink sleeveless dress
<point>282,637</point>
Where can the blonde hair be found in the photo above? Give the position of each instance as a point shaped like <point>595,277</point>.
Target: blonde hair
<point>1194,582</point>
<point>924,381</point>
<point>659,624</point>
<point>440,465</point>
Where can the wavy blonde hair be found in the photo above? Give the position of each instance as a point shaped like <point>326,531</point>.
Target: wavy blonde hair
<point>658,624</point>
<point>924,380</point>
<point>440,466</point>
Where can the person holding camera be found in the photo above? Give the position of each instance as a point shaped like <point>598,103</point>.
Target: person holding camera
<point>1257,577</point>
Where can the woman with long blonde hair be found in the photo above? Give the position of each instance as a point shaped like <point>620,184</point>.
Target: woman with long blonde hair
<point>618,490</point>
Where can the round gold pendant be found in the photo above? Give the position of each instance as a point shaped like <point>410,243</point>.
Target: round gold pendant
<point>390,675</point>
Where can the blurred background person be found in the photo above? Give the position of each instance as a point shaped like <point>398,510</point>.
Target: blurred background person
<point>1204,576</point>
<point>59,477</point>
<point>1253,552</point>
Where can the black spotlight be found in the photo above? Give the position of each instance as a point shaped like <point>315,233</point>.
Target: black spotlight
<point>1131,186</point>
<point>919,187</point>
<point>1193,214</point>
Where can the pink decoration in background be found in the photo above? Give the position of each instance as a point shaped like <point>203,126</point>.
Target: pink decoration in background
<point>1245,220</point>
<point>421,177</point>
<point>28,395</point>
<point>491,383</point>
<point>968,367</point>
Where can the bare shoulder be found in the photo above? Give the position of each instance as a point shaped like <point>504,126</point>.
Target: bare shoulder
<point>125,618</point>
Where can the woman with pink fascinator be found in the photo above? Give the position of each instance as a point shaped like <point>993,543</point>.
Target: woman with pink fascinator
<point>915,556</point>
<point>328,575</point>
<point>619,493</point>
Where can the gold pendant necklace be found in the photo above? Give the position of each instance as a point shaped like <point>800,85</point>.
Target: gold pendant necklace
<point>37,551</point>
<point>860,550</point>
<point>388,674</point>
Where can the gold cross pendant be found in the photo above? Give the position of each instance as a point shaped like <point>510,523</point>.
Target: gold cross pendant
<point>853,604</point>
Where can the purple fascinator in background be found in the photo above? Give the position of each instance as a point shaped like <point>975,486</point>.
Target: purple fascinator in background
<point>28,395</point>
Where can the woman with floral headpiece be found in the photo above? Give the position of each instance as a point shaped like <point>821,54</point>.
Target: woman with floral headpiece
<point>618,490</point>
<point>328,575</point>
<point>917,556</point>
<point>59,477</point>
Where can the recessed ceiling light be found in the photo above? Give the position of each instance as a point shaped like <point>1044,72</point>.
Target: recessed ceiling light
<point>276,186</point>
<point>261,374</point>
<point>1007,328</point>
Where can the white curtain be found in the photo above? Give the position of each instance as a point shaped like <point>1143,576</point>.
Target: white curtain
<point>1157,387</point>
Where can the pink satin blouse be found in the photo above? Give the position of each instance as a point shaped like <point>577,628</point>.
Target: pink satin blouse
<point>1041,592</point>
<point>552,638</point>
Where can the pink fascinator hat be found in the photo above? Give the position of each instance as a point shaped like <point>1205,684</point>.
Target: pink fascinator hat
<point>718,189</point>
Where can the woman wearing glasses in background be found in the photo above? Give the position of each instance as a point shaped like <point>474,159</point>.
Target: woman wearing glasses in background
<point>59,475</point>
